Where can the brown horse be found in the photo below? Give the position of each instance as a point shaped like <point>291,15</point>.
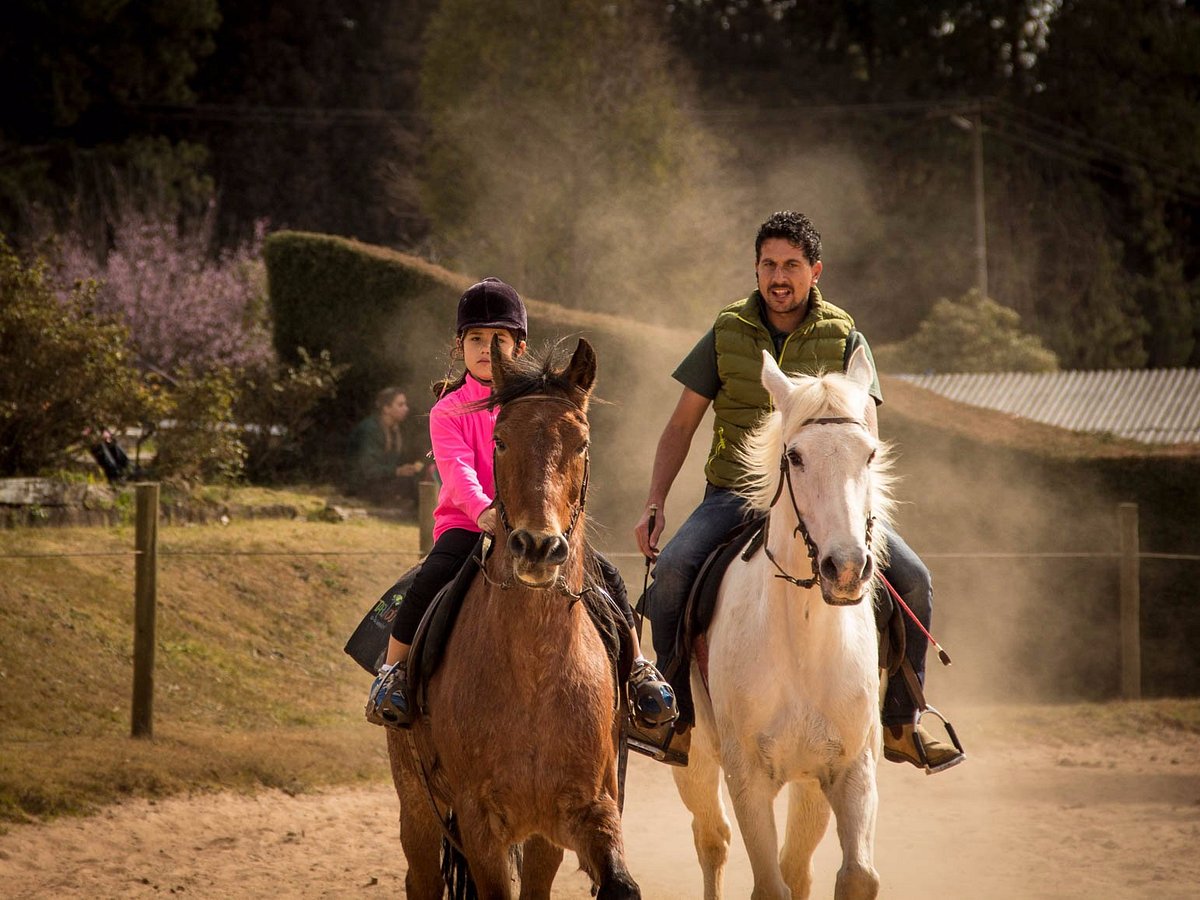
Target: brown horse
<point>522,734</point>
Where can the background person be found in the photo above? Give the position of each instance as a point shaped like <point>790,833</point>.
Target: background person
<point>380,470</point>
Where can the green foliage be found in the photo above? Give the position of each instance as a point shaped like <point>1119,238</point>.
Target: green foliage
<point>276,408</point>
<point>968,335</point>
<point>65,369</point>
<point>198,441</point>
<point>87,70</point>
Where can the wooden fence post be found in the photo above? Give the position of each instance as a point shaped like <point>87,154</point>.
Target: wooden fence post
<point>428,494</point>
<point>1131,636</point>
<point>145,602</point>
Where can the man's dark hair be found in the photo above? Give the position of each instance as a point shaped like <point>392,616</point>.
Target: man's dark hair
<point>793,227</point>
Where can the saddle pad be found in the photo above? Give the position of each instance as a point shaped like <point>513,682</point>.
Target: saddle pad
<point>702,599</point>
<point>367,646</point>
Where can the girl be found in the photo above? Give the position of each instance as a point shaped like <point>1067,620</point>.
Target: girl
<point>461,433</point>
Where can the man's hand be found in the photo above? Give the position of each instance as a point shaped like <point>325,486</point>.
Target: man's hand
<point>412,468</point>
<point>647,538</point>
<point>487,520</point>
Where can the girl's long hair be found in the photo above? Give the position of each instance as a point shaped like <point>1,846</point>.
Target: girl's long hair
<point>449,382</point>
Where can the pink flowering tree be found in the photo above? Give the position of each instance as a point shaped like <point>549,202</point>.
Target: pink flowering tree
<point>184,305</point>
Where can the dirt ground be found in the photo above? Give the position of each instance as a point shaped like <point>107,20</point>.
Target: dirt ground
<point>1021,819</point>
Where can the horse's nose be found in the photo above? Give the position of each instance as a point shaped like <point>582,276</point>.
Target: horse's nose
<point>538,549</point>
<point>847,568</point>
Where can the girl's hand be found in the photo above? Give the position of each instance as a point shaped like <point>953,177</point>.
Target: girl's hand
<point>487,520</point>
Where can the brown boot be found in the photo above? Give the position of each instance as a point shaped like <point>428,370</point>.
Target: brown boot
<point>913,744</point>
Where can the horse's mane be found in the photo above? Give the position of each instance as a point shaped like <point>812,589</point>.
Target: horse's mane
<point>829,395</point>
<point>533,374</point>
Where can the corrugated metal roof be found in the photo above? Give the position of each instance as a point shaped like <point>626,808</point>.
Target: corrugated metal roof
<point>1155,406</point>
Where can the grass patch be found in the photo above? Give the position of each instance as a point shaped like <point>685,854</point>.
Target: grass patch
<point>251,685</point>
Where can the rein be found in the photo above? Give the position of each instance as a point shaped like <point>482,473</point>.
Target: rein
<point>560,584</point>
<point>785,472</point>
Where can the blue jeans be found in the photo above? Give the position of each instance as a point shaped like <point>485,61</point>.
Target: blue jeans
<point>912,581</point>
<point>706,528</point>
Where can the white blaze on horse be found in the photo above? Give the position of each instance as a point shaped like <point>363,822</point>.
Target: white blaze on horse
<point>792,696</point>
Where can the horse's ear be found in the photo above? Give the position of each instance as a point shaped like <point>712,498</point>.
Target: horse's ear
<point>778,385</point>
<point>581,371</point>
<point>501,364</point>
<point>859,369</point>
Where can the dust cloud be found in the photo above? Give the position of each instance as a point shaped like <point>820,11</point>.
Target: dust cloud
<point>564,212</point>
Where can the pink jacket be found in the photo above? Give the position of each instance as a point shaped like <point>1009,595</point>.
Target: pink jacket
<point>462,451</point>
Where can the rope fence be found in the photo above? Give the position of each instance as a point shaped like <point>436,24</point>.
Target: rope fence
<point>146,552</point>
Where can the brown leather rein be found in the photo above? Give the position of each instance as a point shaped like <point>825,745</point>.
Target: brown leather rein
<point>576,509</point>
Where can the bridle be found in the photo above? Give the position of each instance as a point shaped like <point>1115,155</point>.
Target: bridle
<point>785,474</point>
<point>560,583</point>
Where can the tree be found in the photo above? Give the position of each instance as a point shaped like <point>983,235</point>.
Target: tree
<point>561,154</point>
<point>971,334</point>
<point>66,368</point>
<point>89,71</point>
<point>185,302</point>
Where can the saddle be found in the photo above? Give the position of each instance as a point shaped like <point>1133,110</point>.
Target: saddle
<point>690,642</point>
<point>437,625</point>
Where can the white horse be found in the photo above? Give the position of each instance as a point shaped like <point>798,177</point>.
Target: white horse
<point>793,681</point>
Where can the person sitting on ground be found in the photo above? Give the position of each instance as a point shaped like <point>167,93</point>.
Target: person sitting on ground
<point>109,456</point>
<point>379,471</point>
<point>461,427</point>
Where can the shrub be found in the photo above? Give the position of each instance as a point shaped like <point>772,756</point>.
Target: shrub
<point>198,441</point>
<point>275,411</point>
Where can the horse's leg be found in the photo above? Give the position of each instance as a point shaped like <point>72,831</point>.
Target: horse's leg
<point>699,785</point>
<point>595,833</point>
<point>538,868</point>
<point>855,801</point>
<point>753,793</point>
<point>807,817</point>
<point>420,833</point>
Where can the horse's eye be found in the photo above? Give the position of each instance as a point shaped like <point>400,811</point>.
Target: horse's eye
<point>795,458</point>
<point>871,458</point>
<point>499,444</point>
<point>583,448</point>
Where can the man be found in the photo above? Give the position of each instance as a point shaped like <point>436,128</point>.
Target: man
<point>788,316</point>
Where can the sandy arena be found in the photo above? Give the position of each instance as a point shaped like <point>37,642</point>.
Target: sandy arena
<point>1120,820</point>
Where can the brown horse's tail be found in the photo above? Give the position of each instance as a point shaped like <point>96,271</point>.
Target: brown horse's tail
<point>455,871</point>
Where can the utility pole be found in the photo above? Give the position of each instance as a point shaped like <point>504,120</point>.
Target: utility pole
<point>974,125</point>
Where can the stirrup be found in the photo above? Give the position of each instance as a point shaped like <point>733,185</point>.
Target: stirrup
<point>656,743</point>
<point>918,744</point>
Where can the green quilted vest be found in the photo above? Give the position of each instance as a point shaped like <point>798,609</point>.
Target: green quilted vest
<point>818,345</point>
